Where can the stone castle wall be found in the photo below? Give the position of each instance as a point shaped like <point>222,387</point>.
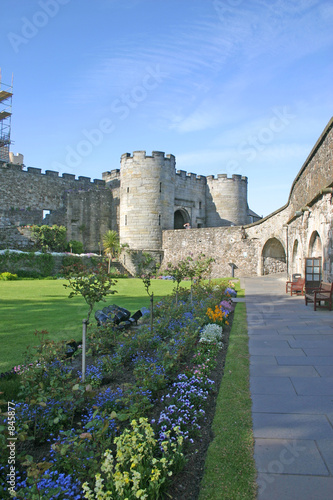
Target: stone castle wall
<point>226,201</point>
<point>25,194</point>
<point>147,197</point>
<point>281,241</point>
<point>316,172</point>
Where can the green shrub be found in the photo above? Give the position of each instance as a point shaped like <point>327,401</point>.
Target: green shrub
<point>26,273</point>
<point>8,276</point>
<point>74,246</point>
<point>50,237</point>
<point>27,264</point>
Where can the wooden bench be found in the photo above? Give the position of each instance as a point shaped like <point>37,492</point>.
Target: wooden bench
<point>295,286</point>
<point>321,294</point>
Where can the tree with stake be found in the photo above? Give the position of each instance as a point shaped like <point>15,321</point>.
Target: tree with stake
<point>94,285</point>
<point>177,273</point>
<point>147,268</point>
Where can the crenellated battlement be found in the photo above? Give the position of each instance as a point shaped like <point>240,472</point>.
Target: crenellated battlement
<point>225,178</point>
<point>111,175</point>
<point>190,176</point>
<point>12,167</point>
<point>142,155</point>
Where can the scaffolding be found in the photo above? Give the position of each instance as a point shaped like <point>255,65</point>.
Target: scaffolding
<point>6,94</point>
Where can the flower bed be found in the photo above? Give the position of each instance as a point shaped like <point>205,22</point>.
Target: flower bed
<point>129,438</point>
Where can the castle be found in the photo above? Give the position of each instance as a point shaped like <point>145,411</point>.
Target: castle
<point>148,203</point>
<point>140,200</point>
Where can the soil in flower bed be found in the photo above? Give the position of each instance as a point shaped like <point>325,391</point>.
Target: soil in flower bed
<point>186,485</point>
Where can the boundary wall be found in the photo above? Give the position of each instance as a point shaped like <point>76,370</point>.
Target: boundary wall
<point>280,242</point>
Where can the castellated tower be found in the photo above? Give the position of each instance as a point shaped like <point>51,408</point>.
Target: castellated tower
<point>147,195</point>
<point>226,201</point>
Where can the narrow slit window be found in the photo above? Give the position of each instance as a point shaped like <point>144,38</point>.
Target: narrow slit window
<point>125,220</point>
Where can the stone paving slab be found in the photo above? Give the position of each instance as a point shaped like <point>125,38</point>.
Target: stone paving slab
<point>325,371</point>
<point>318,351</point>
<point>300,337</point>
<point>291,426</point>
<point>263,360</point>
<point>271,385</point>
<point>265,342</point>
<point>271,336</point>
<point>305,360</point>
<point>322,386</point>
<point>284,371</point>
<point>325,447</point>
<point>293,487</point>
<point>305,331</point>
<point>289,457</point>
<point>278,403</point>
<point>273,351</point>
<point>312,343</point>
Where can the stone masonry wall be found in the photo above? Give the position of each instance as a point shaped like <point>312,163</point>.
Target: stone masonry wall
<point>317,172</point>
<point>281,241</point>
<point>225,244</point>
<point>24,194</point>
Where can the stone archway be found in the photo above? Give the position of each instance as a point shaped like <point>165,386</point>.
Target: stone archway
<point>273,257</point>
<point>315,245</point>
<point>181,217</point>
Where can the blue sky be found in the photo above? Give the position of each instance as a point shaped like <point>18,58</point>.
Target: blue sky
<point>227,86</point>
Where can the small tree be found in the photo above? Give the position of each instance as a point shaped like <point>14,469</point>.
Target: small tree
<point>189,268</point>
<point>177,273</point>
<point>203,266</point>
<point>111,245</point>
<point>146,269</point>
<point>94,285</point>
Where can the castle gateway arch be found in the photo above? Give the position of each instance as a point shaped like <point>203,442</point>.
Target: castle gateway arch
<point>181,217</point>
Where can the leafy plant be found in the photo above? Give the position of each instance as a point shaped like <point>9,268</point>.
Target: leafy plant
<point>50,237</point>
<point>138,472</point>
<point>93,285</point>
<point>8,276</point>
<point>111,245</point>
<point>75,246</point>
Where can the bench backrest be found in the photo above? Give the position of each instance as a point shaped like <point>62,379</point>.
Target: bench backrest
<point>326,287</point>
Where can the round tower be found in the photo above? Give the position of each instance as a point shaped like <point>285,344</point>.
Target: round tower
<point>226,201</point>
<point>147,193</point>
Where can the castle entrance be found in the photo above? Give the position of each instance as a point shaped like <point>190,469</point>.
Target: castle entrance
<point>273,257</point>
<point>181,217</point>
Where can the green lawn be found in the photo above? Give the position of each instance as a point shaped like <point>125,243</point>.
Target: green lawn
<point>230,471</point>
<point>29,305</point>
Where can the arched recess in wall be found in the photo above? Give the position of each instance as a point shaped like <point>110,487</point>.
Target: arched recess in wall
<point>273,257</point>
<point>181,217</point>
<point>296,259</point>
<point>315,245</point>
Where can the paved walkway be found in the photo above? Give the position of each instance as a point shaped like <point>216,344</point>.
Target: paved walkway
<point>291,383</point>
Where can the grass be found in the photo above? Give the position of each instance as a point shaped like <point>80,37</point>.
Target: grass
<point>29,305</point>
<point>230,471</point>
